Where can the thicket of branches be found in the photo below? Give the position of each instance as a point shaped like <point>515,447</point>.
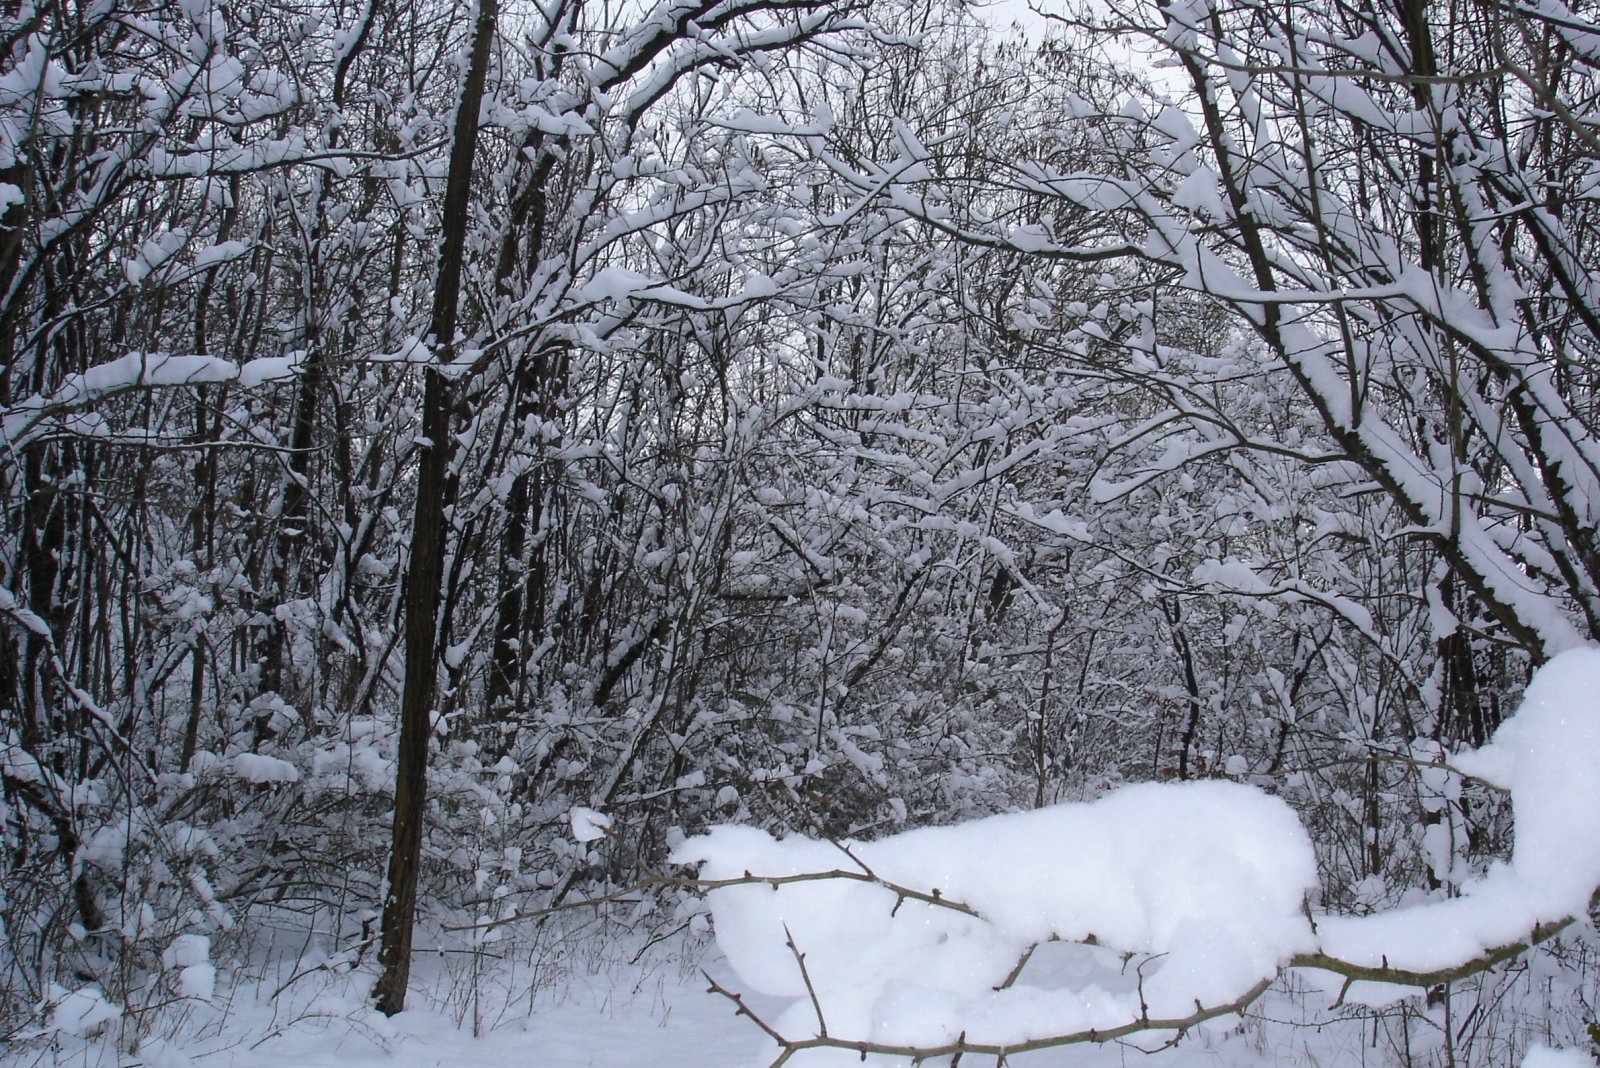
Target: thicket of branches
<point>830,416</point>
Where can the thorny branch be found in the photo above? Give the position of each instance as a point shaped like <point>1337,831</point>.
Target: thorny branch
<point>805,975</point>
<point>963,1045</point>
<point>1144,1022</point>
<point>902,894</point>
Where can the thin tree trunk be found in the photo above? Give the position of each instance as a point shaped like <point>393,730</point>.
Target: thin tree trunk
<point>426,570</point>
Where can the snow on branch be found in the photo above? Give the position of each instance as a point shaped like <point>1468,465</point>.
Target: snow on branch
<point>924,944</point>
<point>135,371</point>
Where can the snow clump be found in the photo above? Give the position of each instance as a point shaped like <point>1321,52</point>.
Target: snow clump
<point>1209,879</point>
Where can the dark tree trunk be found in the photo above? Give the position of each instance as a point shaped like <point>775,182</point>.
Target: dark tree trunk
<point>426,570</point>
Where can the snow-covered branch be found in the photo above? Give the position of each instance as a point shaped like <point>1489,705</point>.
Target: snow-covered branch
<point>1204,883</point>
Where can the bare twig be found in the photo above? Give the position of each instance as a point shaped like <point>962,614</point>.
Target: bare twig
<point>901,893</point>
<point>1016,969</point>
<point>805,976</point>
<point>741,1009</point>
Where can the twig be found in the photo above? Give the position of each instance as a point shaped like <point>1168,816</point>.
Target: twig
<point>741,1009</point>
<point>902,894</point>
<point>805,976</point>
<point>1016,969</point>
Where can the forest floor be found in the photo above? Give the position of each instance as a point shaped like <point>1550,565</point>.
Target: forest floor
<point>575,1003</point>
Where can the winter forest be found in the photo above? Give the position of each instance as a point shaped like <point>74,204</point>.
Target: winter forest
<point>1059,542</point>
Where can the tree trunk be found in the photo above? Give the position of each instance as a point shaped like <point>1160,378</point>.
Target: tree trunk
<point>426,570</point>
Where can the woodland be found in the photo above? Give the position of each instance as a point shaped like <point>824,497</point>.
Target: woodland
<point>453,455</point>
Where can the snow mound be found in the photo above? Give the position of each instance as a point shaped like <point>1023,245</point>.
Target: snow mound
<point>84,1012</point>
<point>189,955</point>
<point>1548,756</point>
<point>1210,876</point>
<point>256,768</point>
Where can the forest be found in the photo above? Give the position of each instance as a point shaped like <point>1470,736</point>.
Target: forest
<point>534,480</point>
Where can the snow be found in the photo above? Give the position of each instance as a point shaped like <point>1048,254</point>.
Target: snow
<point>258,768</point>
<point>83,1012</point>
<point>104,847</point>
<point>271,368</point>
<point>914,940</point>
<point>1207,878</point>
<point>652,1014</point>
<point>189,957</point>
<point>186,950</point>
<point>197,981</point>
<point>1199,192</point>
<point>615,283</point>
<point>894,493</point>
<point>589,825</point>
<point>615,1007</point>
<point>1546,755</point>
<point>1545,1057</point>
<point>140,370</point>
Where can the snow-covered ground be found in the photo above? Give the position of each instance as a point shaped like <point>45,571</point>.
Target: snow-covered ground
<point>639,1019</point>
<point>600,1008</point>
<point>642,1018</point>
<point>599,1012</point>
<point>611,1011</point>
<point>1157,913</point>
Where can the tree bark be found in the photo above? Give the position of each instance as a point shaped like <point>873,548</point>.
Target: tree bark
<point>426,570</point>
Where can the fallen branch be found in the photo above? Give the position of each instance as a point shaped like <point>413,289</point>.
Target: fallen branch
<point>1000,1050</point>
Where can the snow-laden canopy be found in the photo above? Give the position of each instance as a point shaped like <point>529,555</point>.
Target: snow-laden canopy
<point>921,941</point>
